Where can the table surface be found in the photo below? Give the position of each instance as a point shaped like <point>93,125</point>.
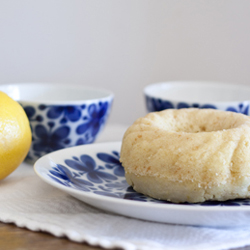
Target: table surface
<point>13,238</point>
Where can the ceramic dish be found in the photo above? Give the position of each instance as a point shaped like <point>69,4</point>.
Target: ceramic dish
<point>197,94</point>
<point>92,173</point>
<point>61,115</point>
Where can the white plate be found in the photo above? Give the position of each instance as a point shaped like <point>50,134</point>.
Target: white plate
<point>92,173</point>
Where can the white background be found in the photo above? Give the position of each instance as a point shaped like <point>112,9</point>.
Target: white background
<point>124,45</point>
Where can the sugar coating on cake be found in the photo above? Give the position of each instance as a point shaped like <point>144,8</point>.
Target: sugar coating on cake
<point>189,155</point>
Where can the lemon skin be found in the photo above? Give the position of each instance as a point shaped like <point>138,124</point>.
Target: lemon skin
<point>15,135</point>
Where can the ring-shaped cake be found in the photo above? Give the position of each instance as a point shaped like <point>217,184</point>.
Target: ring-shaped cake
<point>189,155</point>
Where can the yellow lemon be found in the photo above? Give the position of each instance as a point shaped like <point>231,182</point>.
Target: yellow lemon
<point>15,135</point>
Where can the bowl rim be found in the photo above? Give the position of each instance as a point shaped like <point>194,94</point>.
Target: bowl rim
<point>206,84</point>
<point>107,94</point>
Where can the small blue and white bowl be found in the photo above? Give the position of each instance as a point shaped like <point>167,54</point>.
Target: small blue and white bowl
<point>194,94</point>
<point>61,116</point>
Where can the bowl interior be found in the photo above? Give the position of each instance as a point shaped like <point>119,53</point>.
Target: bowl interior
<point>198,92</point>
<point>52,93</point>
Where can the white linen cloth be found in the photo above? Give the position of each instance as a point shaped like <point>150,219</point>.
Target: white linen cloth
<point>29,202</point>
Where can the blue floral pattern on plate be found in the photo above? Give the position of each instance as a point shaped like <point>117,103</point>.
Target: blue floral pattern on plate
<point>57,126</point>
<point>157,104</point>
<point>103,174</point>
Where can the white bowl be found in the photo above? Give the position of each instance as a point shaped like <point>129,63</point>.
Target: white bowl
<point>61,115</point>
<point>190,94</point>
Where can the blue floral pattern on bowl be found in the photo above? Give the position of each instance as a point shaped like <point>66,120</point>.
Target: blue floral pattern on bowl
<point>157,104</point>
<point>56,127</point>
<point>102,174</point>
